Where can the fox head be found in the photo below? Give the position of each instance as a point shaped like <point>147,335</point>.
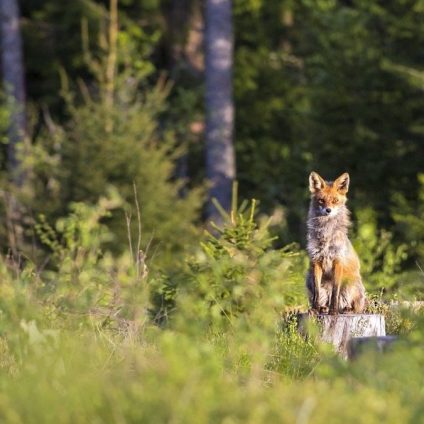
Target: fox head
<point>328,197</point>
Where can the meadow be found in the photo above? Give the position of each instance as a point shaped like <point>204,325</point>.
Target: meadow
<point>97,338</point>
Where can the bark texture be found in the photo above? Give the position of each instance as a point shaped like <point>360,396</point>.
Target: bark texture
<point>339,329</point>
<point>220,160</point>
<point>13,78</point>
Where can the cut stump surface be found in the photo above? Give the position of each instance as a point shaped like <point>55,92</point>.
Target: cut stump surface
<point>339,329</point>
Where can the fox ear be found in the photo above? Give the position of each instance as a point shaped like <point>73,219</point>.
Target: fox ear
<point>316,183</point>
<point>342,183</point>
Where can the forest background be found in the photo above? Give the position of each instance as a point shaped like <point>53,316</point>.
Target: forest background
<point>328,86</point>
<point>132,307</point>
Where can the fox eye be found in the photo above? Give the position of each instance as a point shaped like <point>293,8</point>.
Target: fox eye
<point>321,201</point>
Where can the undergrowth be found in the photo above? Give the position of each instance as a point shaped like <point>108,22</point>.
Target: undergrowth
<point>92,337</point>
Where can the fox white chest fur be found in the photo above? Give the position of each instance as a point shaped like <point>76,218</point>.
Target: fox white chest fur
<point>327,237</point>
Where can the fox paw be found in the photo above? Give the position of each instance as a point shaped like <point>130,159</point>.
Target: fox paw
<point>312,312</point>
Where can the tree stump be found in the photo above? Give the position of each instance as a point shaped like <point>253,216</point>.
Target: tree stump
<point>358,345</point>
<point>339,329</point>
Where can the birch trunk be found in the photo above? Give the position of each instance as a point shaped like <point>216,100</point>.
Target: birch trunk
<point>220,161</point>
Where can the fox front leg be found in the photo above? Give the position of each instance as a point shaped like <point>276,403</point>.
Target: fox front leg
<point>335,296</point>
<point>317,273</point>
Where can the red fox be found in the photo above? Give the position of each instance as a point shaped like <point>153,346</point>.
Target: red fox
<point>334,281</point>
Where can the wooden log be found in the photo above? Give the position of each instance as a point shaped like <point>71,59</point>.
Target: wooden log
<point>339,329</point>
<point>358,345</point>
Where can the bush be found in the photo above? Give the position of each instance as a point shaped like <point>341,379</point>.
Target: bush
<point>80,282</point>
<point>237,274</point>
<point>381,259</point>
<point>114,137</point>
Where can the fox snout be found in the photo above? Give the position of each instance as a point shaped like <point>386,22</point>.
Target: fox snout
<point>325,210</point>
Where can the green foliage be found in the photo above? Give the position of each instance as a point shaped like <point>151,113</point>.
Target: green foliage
<point>295,355</point>
<point>381,259</point>
<point>400,317</point>
<point>237,273</point>
<point>333,87</point>
<point>112,139</point>
<point>77,340</point>
<point>49,48</point>
<point>81,282</point>
<point>326,85</point>
<point>162,375</point>
<point>129,153</point>
<point>408,219</point>
<point>80,278</point>
<point>309,77</point>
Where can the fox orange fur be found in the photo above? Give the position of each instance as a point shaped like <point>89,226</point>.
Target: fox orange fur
<point>334,281</point>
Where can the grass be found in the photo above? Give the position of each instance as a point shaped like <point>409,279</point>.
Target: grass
<point>79,342</point>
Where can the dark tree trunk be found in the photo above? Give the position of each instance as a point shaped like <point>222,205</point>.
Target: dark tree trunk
<point>177,13</point>
<point>184,47</point>
<point>13,78</point>
<point>220,161</point>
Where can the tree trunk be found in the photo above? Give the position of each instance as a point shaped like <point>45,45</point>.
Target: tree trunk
<point>339,329</point>
<point>184,46</point>
<point>220,161</point>
<point>13,78</point>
